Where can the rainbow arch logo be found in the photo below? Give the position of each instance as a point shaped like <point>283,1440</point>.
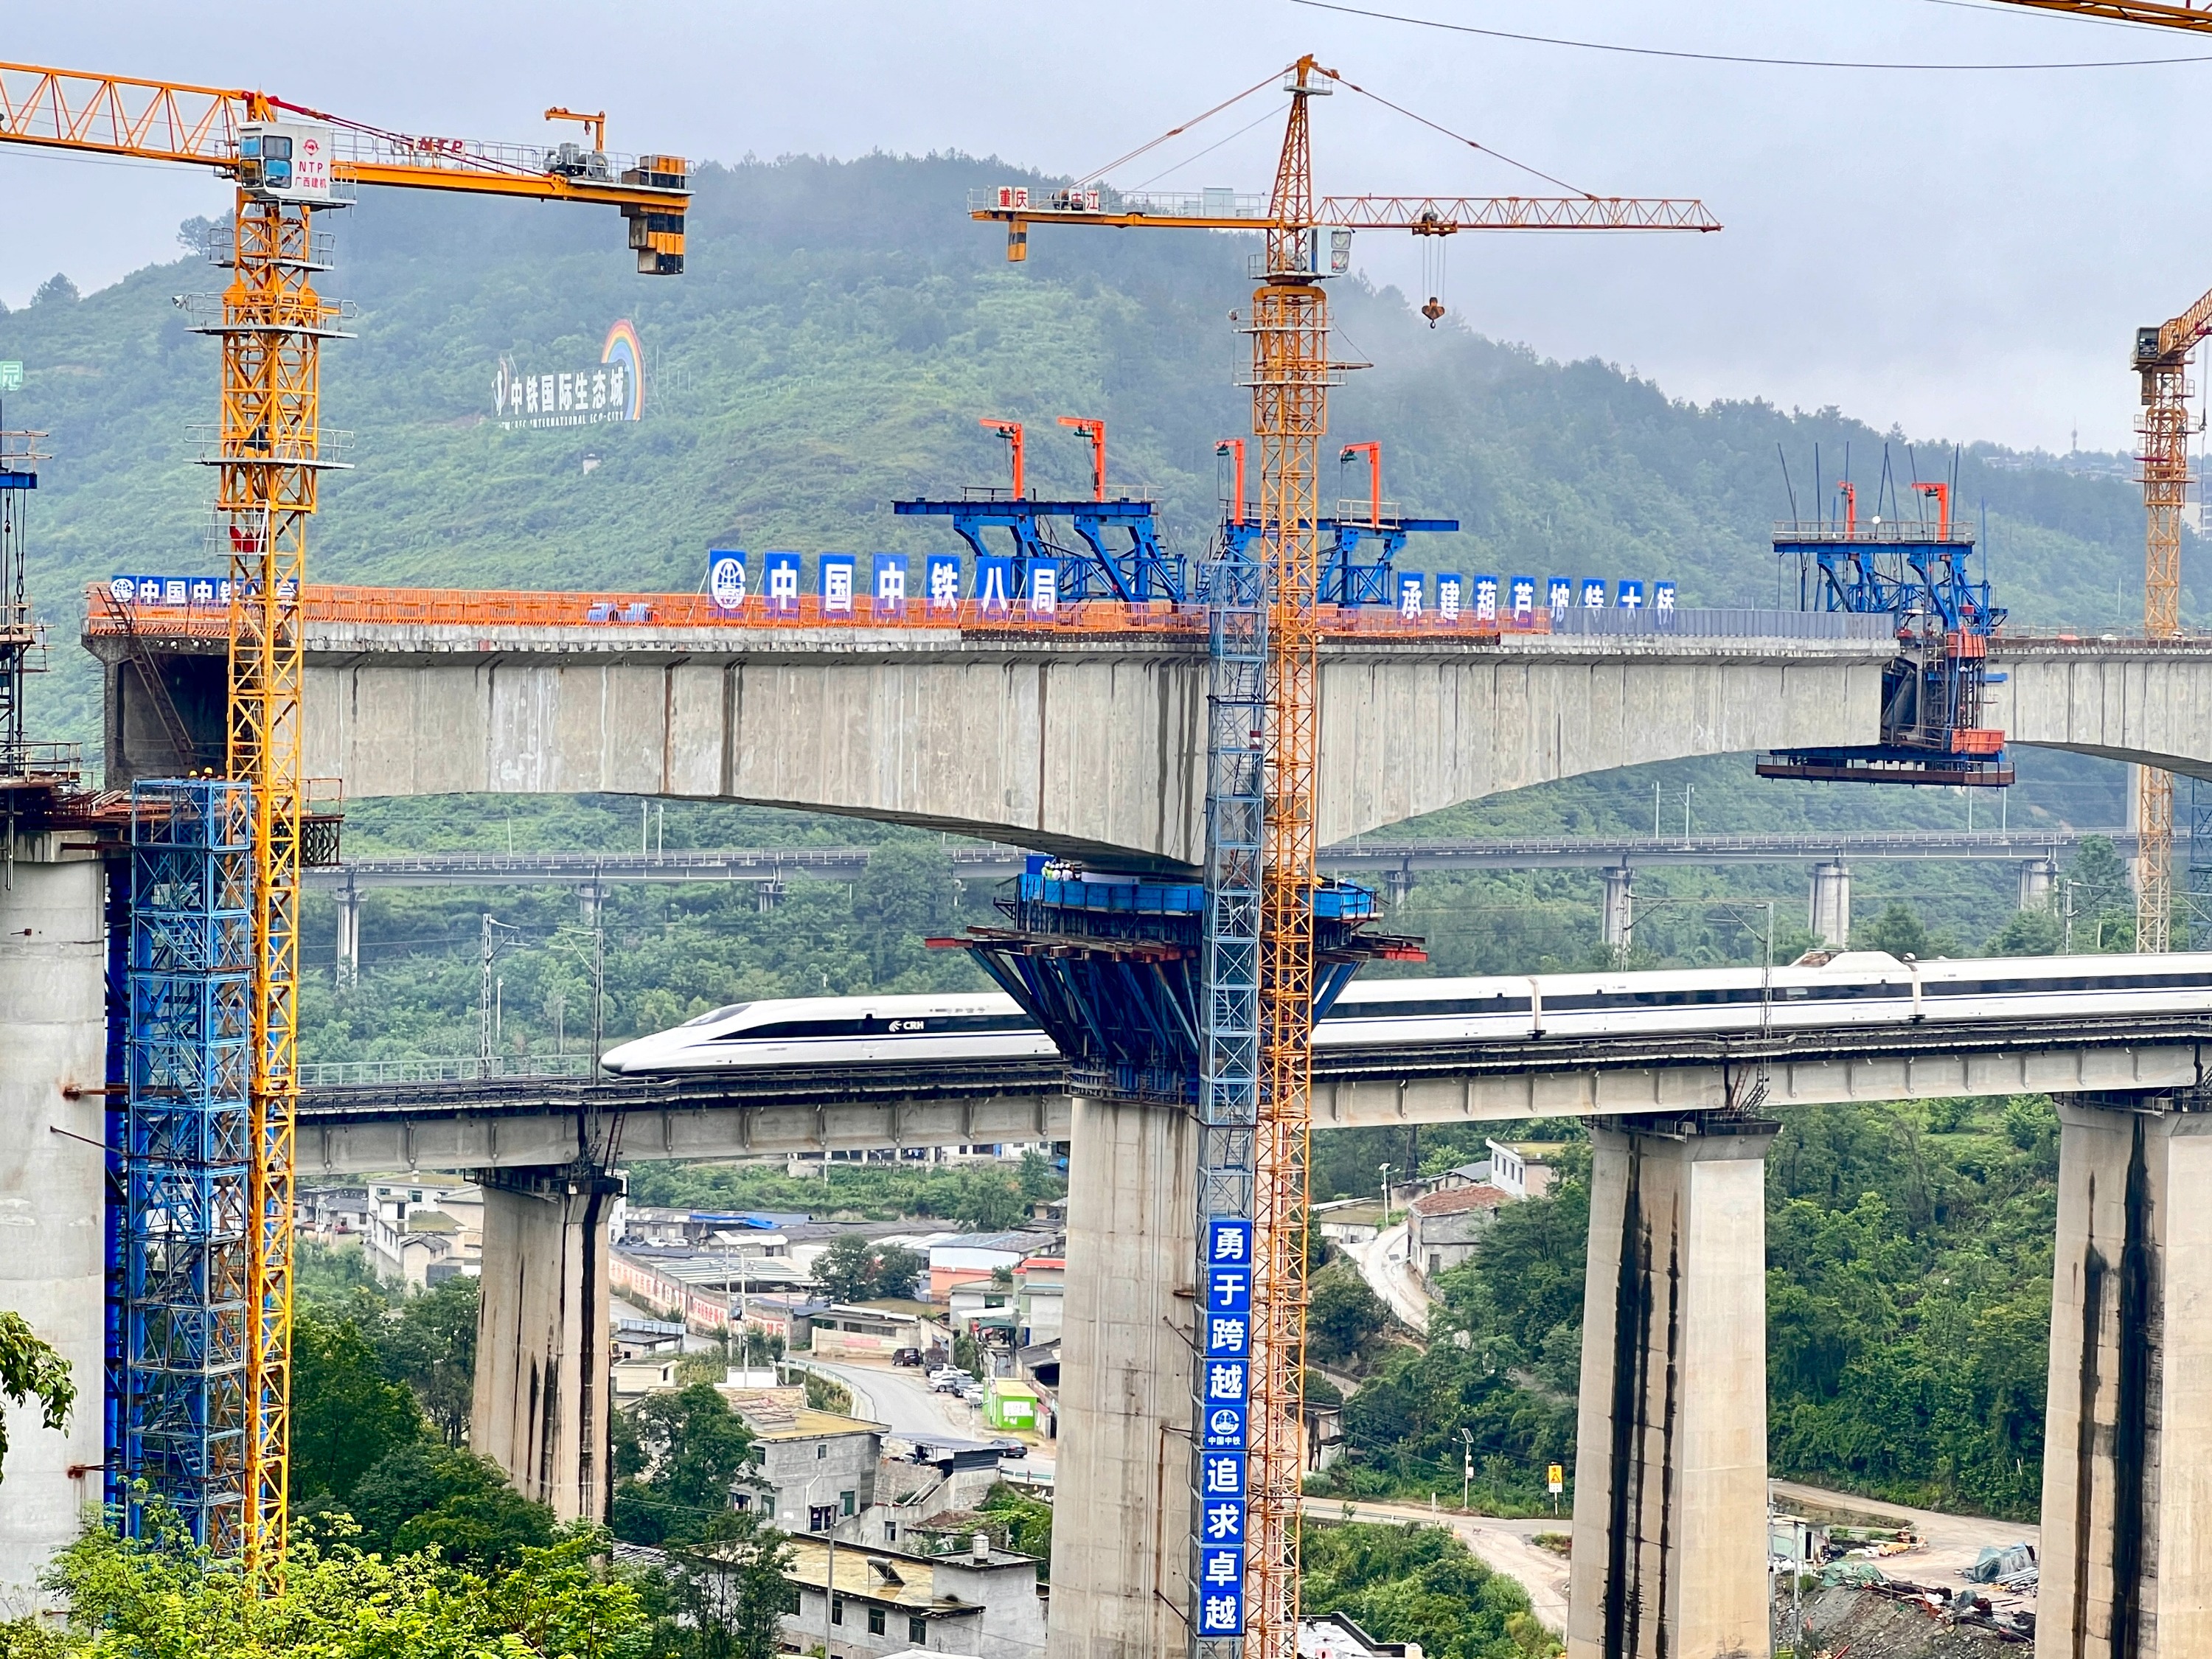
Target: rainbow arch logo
<point>623,347</point>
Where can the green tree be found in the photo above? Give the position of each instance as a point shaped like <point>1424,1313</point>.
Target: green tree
<point>1415,1584</point>
<point>2027,933</point>
<point>1036,1179</point>
<point>430,1345</point>
<point>726,1590</point>
<point>427,1495</point>
<point>2099,878</point>
<point>131,1599</point>
<point>1344,1317</point>
<point>897,1269</point>
<point>847,1270</point>
<point>1018,1520</point>
<point>677,1457</point>
<point>1896,930</point>
<point>345,1416</point>
<point>31,1369</point>
<point>988,1201</point>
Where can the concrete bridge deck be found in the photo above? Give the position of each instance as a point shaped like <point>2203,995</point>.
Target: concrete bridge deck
<point>537,1123</point>
<point>1081,741</point>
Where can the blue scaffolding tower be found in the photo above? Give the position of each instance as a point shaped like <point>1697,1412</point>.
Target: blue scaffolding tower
<point>179,1295</point>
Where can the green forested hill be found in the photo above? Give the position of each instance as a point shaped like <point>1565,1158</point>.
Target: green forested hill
<point>841,327</point>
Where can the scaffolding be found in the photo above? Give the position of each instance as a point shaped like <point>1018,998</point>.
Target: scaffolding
<point>180,1303</point>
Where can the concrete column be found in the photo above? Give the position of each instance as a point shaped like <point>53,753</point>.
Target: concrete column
<point>589,898</point>
<point>543,1339</point>
<point>1670,1474</point>
<point>53,1193</point>
<point>1619,919</point>
<point>765,894</point>
<point>349,952</point>
<point>2038,880</point>
<point>1399,883</point>
<point>1830,913</point>
<point>1119,1569</point>
<point>2126,1554</point>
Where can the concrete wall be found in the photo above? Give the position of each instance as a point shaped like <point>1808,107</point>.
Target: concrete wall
<point>1119,1572</point>
<point>2127,1474</point>
<point>1670,1470</point>
<point>544,1387</point>
<point>53,1034</point>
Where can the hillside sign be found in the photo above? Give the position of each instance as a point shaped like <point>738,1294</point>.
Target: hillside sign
<point>613,389</point>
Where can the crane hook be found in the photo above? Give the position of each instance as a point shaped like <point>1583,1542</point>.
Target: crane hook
<point>1433,311</point>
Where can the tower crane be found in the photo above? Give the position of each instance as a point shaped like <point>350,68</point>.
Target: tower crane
<point>2162,359</point>
<point>1289,376</point>
<point>291,163</point>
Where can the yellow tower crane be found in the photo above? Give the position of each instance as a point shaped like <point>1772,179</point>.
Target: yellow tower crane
<point>270,450</point>
<point>2161,358</point>
<point>1290,374</point>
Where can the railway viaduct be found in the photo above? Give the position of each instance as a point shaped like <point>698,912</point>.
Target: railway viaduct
<point>1092,743</point>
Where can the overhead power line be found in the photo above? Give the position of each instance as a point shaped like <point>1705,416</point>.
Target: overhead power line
<point>1740,57</point>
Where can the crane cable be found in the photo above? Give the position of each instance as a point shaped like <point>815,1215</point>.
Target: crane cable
<point>1735,57</point>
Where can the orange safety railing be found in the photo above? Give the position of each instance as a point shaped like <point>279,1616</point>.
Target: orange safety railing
<point>430,607</point>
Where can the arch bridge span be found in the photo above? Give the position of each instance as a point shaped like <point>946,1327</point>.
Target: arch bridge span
<point>1074,741</point>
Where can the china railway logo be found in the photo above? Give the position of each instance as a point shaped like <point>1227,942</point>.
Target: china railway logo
<point>614,390</point>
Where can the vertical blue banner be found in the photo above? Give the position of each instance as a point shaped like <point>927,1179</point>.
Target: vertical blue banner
<point>1522,591</point>
<point>1663,599</point>
<point>995,583</point>
<point>1562,589</point>
<point>1486,598</point>
<point>1227,1239</point>
<point>780,582</point>
<point>1632,596</point>
<point>1451,596</point>
<point>890,586</point>
<point>725,578</point>
<point>1593,593</point>
<point>835,575</point>
<point>944,578</point>
<point>1043,596</point>
<point>1411,589</point>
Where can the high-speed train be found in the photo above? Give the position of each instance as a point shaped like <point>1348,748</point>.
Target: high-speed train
<point>1853,989</point>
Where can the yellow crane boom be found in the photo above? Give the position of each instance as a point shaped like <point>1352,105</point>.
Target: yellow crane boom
<point>290,162</point>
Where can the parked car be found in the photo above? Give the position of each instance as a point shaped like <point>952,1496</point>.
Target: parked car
<point>973,1394</point>
<point>949,1381</point>
<point>906,1356</point>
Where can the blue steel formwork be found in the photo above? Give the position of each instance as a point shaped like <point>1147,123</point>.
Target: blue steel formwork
<point>1140,570</point>
<point>1342,578</point>
<point>181,1307</point>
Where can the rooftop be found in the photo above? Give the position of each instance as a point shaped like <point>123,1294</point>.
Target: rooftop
<point>774,1418</point>
<point>1457,1200</point>
<point>891,1576</point>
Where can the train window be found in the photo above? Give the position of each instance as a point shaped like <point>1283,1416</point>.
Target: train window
<point>713,1014</point>
<point>1425,1006</point>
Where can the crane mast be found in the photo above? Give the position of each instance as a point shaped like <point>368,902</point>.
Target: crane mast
<point>269,451</point>
<point>1290,375</point>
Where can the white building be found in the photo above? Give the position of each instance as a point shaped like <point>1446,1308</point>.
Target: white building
<point>979,1600</point>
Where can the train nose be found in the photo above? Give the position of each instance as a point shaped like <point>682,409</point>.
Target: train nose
<point>618,1060</point>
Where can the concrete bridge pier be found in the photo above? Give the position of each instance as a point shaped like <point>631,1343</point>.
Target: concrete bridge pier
<point>349,951</point>
<point>2127,1464</point>
<point>1829,918</point>
<point>1620,910</point>
<point>1670,1476</point>
<point>545,1384</point>
<point>1121,1575</point>
<point>2039,881</point>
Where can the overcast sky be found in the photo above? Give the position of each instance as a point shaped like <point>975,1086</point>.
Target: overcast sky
<point>1965,254</point>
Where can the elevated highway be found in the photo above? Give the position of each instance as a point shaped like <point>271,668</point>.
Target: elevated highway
<point>1081,740</point>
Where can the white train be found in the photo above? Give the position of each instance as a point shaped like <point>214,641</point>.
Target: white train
<point>1856,987</point>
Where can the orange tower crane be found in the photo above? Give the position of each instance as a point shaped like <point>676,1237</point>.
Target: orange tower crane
<point>268,450</point>
<point>2161,360</point>
<point>1290,374</point>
